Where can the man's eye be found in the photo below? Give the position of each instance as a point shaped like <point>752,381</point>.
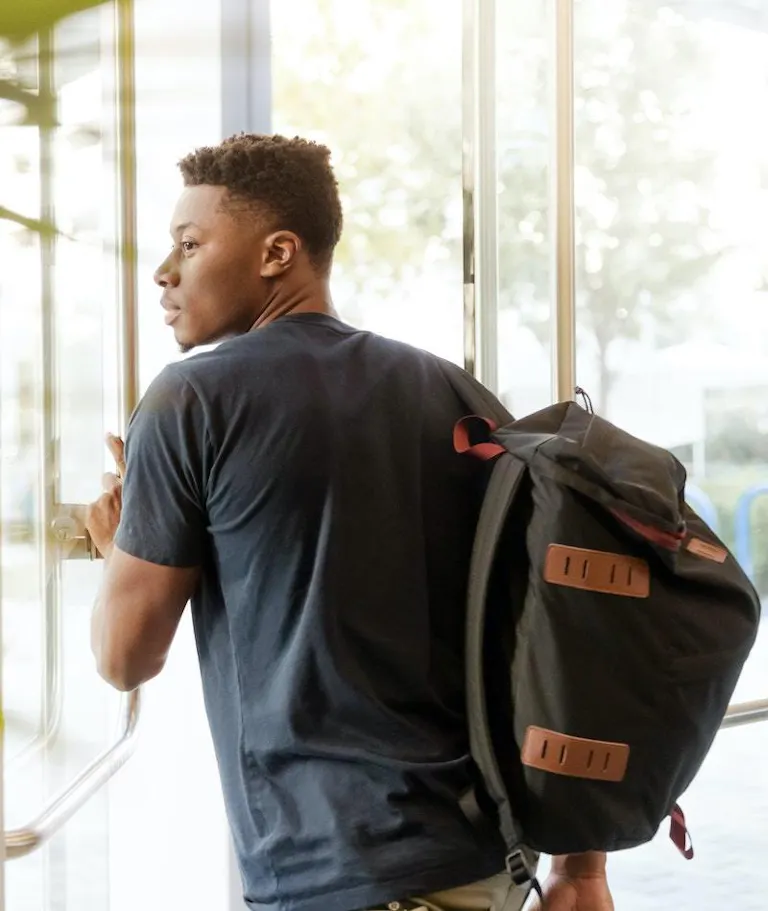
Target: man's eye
<point>188,245</point>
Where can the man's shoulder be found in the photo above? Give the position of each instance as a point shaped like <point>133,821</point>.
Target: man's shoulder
<point>198,372</point>
<point>255,357</point>
<point>386,349</point>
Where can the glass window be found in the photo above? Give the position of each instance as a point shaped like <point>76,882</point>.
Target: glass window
<point>671,222</point>
<point>178,108</point>
<point>20,442</point>
<point>167,822</point>
<point>356,77</point>
<point>58,378</point>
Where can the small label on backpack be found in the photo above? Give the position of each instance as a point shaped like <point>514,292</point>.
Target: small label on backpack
<point>706,550</point>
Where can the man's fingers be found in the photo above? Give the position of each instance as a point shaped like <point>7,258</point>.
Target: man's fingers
<point>111,482</point>
<point>117,451</point>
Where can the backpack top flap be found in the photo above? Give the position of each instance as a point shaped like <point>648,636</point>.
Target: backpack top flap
<point>609,465</point>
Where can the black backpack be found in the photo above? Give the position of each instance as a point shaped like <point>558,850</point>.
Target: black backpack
<point>607,627</point>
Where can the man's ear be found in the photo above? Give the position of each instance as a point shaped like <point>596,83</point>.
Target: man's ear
<point>280,252</point>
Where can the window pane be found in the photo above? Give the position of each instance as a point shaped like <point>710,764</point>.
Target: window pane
<point>57,295</point>
<point>672,274</point>
<point>167,822</point>
<point>20,442</point>
<point>21,457</point>
<point>178,108</point>
<point>357,77</point>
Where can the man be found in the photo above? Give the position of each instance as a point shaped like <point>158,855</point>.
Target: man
<point>298,483</point>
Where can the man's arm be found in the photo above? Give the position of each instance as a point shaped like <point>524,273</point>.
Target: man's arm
<point>136,616</point>
<point>149,526</point>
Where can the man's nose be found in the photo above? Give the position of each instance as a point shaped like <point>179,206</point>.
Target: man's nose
<point>166,275</point>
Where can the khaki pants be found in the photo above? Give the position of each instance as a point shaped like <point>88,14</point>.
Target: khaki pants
<point>495,894</point>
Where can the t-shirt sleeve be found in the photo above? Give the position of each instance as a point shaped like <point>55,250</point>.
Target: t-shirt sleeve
<point>164,518</point>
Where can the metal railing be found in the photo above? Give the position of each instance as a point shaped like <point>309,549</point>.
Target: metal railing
<point>22,841</point>
<point>746,713</point>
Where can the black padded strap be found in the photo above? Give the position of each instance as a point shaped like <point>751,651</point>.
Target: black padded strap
<point>502,489</point>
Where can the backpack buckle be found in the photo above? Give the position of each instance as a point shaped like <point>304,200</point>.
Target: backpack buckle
<point>520,868</point>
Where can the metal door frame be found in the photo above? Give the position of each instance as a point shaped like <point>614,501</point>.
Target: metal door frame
<point>65,804</point>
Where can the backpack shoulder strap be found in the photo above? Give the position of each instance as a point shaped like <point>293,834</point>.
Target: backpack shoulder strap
<point>474,395</point>
<point>500,495</point>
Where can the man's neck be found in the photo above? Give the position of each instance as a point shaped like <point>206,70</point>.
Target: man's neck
<point>314,297</point>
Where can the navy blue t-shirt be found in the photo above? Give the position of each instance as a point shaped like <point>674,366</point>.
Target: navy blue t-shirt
<point>308,467</point>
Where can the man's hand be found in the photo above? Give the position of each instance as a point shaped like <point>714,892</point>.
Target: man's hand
<point>576,894</point>
<point>103,516</point>
<point>576,883</point>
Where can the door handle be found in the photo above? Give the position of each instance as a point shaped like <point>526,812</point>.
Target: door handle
<point>23,841</point>
<point>70,534</point>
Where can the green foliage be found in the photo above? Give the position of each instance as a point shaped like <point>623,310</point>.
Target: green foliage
<point>20,19</point>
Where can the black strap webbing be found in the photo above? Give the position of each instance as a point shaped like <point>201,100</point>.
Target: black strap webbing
<point>502,488</point>
<point>500,494</point>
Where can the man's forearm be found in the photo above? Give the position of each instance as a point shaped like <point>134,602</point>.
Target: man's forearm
<point>97,617</point>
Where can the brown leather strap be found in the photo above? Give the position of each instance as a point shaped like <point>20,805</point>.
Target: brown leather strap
<point>597,571</point>
<point>574,756</point>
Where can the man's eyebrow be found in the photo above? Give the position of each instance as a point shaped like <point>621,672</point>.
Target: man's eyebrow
<point>177,229</point>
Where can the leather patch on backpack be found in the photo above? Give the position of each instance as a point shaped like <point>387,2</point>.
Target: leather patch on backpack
<point>597,571</point>
<point>707,550</point>
<point>550,751</point>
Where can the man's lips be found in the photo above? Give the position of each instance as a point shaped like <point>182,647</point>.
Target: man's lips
<point>171,310</point>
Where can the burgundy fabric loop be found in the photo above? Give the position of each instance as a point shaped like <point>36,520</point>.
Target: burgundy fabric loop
<point>461,438</point>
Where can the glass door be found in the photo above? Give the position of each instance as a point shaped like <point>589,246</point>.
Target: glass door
<point>671,204</point>
<point>632,194</point>
<point>63,304</point>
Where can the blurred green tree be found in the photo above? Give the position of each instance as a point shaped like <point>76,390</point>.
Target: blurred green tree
<point>25,104</point>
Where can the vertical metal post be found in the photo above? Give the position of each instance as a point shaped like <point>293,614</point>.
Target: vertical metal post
<point>2,726</point>
<point>469,256</point>
<point>246,107</point>
<point>480,191</point>
<point>128,385</point>
<point>54,860</point>
<point>564,336</point>
<point>50,467</point>
<point>246,67</point>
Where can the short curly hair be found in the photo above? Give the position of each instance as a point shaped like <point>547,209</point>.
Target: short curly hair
<point>291,180</point>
